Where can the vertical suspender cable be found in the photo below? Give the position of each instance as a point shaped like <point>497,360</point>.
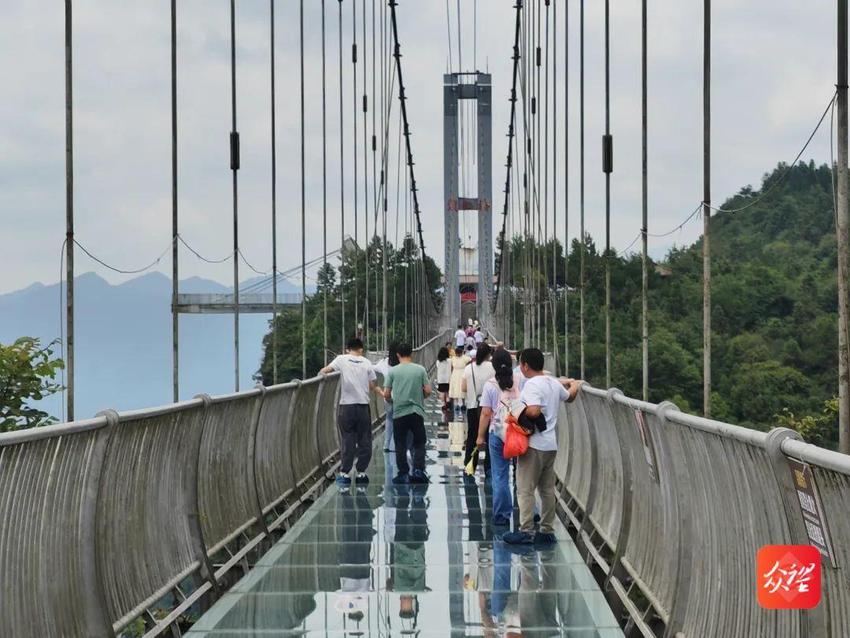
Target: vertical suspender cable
<point>303,212</point>
<point>175,334</point>
<point>69,207</point>
<point>366,237</point>
<point>526,147</point>
<point>324,193</point>
<point>374,159</point>
<point>274,196</point>
<point>543,255</point>
<point>385,171</point>
<point>582,243</point>
<point>234,168</point>
<point>566,190</point>
<point>706,210</point>
<point>534,186</point>
<point>355,265</point>
<point>341,190</point>
<point>606,160</point>
<point>842,224</point>
<point>397,245</point>
<point>555,177</point>
<point>644,328</point>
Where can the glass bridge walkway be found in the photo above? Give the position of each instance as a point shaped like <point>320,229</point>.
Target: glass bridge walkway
<point>387,560</point>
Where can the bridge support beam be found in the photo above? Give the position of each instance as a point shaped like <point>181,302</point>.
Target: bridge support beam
<point>480,90</point>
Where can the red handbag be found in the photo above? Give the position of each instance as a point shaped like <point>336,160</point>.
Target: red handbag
<point>516,440</point>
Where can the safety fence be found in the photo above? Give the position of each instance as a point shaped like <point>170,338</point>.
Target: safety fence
<point>131,518</point>
<point>671,509</point>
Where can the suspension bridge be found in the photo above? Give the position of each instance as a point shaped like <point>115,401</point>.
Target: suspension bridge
<point>218,516</point>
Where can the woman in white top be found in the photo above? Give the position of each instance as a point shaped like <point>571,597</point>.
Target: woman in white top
<point>475,377</point>
<point>459,362</point>
<point>444,374</point>
<point>499,395</point>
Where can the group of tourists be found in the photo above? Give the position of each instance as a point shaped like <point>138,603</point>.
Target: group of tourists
<point>495,392</point>
<point>406,386</point>
<point>496,396</point>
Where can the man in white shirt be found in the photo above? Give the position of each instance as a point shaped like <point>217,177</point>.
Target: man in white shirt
<point>460,336</point>
<point>354,418</point>
<point>541,396</point>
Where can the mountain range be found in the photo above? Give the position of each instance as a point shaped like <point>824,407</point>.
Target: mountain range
<point>123,340</point>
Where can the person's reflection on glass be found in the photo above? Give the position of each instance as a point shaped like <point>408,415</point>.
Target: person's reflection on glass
<point>473,508</point>
<point>479,578</point>
<point>355,554</point>
<point>408,612</point>
<point>538,600</point>
<point>407,552</point>
<point>497,600</point>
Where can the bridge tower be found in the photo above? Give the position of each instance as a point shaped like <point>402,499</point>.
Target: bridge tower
<point>473,273</point>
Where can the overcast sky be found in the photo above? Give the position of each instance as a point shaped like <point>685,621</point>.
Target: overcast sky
<point>774,67</point>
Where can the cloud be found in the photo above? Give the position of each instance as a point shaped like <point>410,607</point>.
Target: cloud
<point>773,74</point>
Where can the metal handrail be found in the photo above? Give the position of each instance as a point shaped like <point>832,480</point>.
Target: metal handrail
<point>685,505</point>
<point>117,511</point>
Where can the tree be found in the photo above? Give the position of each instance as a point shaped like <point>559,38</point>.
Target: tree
<point>27,373</point>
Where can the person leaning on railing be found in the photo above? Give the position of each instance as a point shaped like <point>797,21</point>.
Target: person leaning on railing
<point>539,402</point>
<point>358,378</point>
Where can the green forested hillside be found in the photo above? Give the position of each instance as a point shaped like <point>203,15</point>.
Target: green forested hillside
<point>774,311</point>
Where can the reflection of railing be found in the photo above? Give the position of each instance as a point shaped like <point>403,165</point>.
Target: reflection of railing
<point>105,519</point>
<point>673,509</point>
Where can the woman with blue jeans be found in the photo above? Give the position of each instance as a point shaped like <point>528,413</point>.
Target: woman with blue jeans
<point>497,398</point>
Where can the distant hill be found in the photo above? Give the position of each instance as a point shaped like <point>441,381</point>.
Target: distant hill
<point>123,340</point>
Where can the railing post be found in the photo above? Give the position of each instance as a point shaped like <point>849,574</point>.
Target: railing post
<point>628,489</point>
<point>586,524</point>
<point>252,465</point>
<point>97,620</point>
<point>197,530</point>
<point>814,619</point>
<point>681,477</point>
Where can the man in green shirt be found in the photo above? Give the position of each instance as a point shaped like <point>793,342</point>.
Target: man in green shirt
<point>407,385</point>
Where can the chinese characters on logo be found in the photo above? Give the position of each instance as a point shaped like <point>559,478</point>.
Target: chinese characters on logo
<point>788,576</point>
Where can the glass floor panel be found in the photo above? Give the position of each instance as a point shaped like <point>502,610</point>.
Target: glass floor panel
<point>387,560</point>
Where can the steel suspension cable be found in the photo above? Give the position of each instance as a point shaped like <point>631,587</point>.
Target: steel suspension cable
<point>175,281</point>
<point>403,102</point>
<point>540,320</point>
<point>607,169</point>
<point>510,159</point>
<point>366,237</point>
<point>324,195</point>
<point>274,191</point>
<point>234,167</point>
<point>555,181</point>
<point>543,256</point>
<point>341,186</point>
<point>582,242</point>
<point>566,190</point>
<point>303,211</point>
<point>644,321</point>
<point>354,146</point>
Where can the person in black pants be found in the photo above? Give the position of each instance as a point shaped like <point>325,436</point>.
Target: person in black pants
<point>354,421</point>
<point>475,376</point>
<point>406,386</point>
